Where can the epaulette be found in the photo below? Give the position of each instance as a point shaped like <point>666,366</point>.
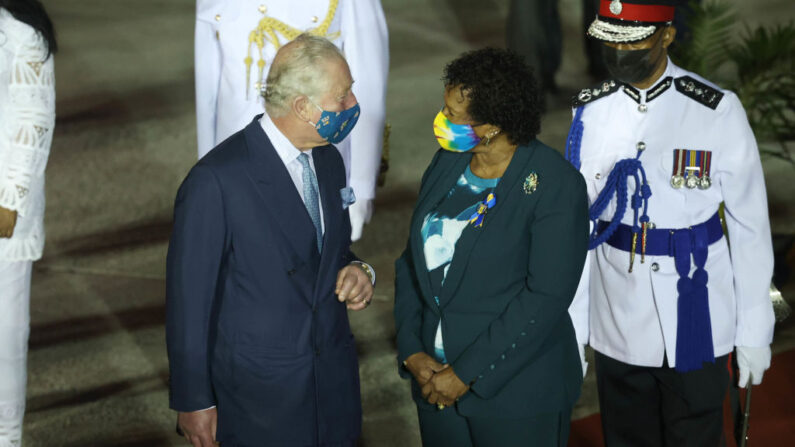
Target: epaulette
<point>698,91</point>
<point>587,95</point>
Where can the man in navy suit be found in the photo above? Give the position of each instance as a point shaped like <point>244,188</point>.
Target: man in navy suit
<point>260,272</point>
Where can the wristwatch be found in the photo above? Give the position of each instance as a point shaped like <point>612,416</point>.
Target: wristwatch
<point>368,270</point>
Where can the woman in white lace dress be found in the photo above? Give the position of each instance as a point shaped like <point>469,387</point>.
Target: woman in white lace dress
<point>27,118</point>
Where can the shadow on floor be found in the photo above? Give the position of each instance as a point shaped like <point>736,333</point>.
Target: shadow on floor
<point>69,398</point>
<point>126,237</point>
<point>74,330</point>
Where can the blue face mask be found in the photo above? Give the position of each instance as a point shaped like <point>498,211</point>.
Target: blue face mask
<point>335,126</point>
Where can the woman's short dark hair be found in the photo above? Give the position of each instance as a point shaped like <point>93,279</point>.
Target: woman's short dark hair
<point>501,89</point>
<point>32,13</point>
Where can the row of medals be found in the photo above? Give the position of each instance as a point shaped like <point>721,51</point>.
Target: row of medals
<point>692,181</point>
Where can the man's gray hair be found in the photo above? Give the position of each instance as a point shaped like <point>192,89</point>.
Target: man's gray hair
<point>298,69</point>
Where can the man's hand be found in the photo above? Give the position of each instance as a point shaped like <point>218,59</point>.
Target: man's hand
<point>422,367</point>
<point>8,220</point>
<point>444,387</point>
<point>199,427</point>
<point>354,287</point>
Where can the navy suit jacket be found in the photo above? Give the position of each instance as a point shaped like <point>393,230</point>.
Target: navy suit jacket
<point>504,302</point>
<point>253,323</point>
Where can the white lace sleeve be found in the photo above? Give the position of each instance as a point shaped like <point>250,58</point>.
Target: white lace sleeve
<point>29,119</point>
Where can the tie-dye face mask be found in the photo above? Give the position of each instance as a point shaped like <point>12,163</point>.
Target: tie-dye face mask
<point>454,137</point>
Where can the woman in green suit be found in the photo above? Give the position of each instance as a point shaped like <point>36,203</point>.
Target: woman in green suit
<point>496,248</point>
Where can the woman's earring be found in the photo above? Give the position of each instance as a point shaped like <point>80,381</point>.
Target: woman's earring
<point>489,137</point>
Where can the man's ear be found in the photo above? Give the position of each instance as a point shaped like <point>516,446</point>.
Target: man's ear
<point>669,34</point>
<point>301,108</point>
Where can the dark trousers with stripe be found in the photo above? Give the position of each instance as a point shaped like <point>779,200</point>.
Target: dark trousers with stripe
<point>656,407</point>
<point>447,428</point>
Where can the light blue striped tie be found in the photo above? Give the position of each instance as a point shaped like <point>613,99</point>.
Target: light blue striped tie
<point>311,198</point>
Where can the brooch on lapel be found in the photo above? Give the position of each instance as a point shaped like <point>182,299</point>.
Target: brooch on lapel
<point>348,197</point>
<point>530,183</point>
<point>483,207</point>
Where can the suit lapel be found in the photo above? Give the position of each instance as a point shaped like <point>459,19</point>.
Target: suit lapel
<point>277,189</point>
<point>515,172</point>
<point>436,189</point>
<point>331,201</point>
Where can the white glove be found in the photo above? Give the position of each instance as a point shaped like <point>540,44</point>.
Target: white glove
<point>361,211</point>
<point>581,348</point>
<point>752,362</point>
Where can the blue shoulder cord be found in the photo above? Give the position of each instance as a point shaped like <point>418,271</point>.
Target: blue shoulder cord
<point>574,139</point>
<point>616,185</point>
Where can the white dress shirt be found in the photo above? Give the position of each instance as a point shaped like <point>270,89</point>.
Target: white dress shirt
<point>632,317</point>
<point>289,155</point>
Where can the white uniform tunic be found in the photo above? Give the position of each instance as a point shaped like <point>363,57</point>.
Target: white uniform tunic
<point>633,316</point>
<point>227,99</point>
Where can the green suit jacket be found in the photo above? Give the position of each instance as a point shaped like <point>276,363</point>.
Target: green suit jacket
<point>504,303</point>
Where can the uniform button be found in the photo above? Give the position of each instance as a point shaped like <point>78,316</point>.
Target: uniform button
<point>218,17</point>
<point>491,366</point>
<point>502,356</point>
<point>651,225</point>
<point>532,321</point>
<point>479,377</point>
<point>598,176</point>
<point>314,19</point>
<point>641,146</point>
<point>513,346</point>
<point>655,267</point>
<point>317,351</point>
<point>291,272</point>
<point>262,8</point>
<point>524,333</point>
<point>642,108</point>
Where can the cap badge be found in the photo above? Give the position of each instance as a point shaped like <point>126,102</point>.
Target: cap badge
<point>616,7</point>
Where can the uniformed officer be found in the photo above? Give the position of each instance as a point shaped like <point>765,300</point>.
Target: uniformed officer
<point>235,44</point>
<point>665,298</point>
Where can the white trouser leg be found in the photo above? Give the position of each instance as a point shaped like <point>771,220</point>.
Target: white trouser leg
<point>14,330</point>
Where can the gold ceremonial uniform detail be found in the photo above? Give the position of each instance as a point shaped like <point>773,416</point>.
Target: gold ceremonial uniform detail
<point>268,30</point>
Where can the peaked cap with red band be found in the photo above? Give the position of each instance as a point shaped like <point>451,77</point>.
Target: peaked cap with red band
<point>630,21</point>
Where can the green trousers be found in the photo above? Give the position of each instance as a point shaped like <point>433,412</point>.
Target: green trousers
<point>446,428</point>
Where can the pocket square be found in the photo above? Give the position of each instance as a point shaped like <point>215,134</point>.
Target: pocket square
<point>348,197</point>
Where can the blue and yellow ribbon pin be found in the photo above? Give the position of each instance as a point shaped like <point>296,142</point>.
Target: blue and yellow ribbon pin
<point>488,203</point>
